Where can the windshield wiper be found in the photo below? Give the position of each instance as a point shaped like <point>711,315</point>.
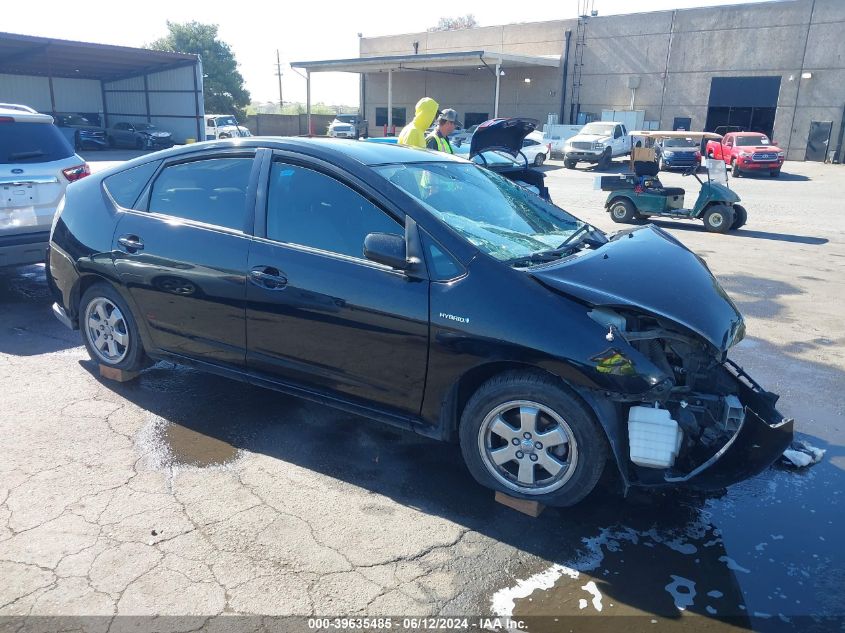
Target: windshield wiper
<point>540,256</point>
<point>570,241</point>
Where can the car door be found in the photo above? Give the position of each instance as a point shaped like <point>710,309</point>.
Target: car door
<point>119,133</point>
<point>727,149</point>
<point>182,255</point>
<point>319,314</point>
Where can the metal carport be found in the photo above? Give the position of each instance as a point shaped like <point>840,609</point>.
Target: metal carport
<point>494,61</point>
<point>117,82</point>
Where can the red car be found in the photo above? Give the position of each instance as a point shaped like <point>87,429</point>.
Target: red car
<point>747,151</point>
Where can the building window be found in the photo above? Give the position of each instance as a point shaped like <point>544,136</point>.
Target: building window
<point>474,118</point>
<point>398,116</point>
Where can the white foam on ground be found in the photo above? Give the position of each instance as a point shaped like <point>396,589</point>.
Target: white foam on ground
<point>685,598</point>
<point>608,539</point>
<point>715,594</point>
<point>733,565</point>
<point>591,588</point>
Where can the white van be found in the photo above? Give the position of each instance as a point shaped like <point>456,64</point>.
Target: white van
<point>223,126</point>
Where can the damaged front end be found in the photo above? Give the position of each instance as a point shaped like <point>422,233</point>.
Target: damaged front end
<point>708,425</point>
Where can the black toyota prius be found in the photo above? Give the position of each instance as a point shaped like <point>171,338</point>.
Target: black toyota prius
<point>423,291</point>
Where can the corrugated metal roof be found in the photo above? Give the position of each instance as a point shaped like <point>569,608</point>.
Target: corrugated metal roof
<point>44,56</point>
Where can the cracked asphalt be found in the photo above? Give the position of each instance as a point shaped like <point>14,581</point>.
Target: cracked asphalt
<point>187,494</point>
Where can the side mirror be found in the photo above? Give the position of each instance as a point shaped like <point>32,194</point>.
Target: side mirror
<point>388,249</point>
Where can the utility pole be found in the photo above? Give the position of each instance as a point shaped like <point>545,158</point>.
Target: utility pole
<point>279,75</point>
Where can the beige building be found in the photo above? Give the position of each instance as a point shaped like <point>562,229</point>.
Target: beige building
<point>777,67</point>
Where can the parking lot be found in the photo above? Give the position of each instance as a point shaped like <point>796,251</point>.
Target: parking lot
<point>183,493</point>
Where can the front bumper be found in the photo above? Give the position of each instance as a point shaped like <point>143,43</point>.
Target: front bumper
<point>760,440</point>
<point>750,165</point>
<point>676,162</point>
<point>583,156</point>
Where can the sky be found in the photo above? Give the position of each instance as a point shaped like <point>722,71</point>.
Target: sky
<point>300,31</point>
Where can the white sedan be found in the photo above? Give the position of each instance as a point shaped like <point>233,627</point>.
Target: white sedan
<point>535,150</point>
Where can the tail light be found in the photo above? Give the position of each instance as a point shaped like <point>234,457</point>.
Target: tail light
<point>75,173</point>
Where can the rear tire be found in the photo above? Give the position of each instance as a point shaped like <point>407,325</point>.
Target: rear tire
<point>109,329</point>
<point>524,434</point>
<point>539,159</point>
<point>719,218</point>
<point>740,217</point>
<point>570,164</point>
<point>622,211</point>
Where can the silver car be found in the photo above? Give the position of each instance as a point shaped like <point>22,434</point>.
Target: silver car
<point>36,165</point>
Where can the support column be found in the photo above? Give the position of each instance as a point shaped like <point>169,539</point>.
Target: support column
<point>498,77</point>
<point>308,99</point>
<point>389,101</point>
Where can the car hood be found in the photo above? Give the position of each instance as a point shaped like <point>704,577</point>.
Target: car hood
<point>505,135</point>
<point>591,138</point>
<point>759,148</point>
<point>648,270</point>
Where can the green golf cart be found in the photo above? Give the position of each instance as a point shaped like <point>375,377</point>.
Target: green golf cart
<point>634,197</point>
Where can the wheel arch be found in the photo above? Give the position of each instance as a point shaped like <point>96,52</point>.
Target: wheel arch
<point>603,410</point>
<point>616,198</point>
<point>90,279</point>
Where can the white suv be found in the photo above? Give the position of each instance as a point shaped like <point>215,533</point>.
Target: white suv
<point>36,165</point>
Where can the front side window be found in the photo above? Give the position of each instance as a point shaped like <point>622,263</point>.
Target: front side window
<point>311,209</point>
<point>211,191</point>
<point>492,213</point>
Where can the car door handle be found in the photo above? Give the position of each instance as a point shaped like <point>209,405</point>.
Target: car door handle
<point>131,243</point>
<point>268,277</point>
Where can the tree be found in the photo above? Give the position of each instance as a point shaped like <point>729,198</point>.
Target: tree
<point>223,85</point>
<point>452,24</point>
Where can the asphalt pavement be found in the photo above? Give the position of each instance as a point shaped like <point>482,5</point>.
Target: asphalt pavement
<point>187,494</point>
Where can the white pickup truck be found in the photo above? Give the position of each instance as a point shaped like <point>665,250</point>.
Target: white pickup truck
<point>223,126</point>
<point>597,142</point>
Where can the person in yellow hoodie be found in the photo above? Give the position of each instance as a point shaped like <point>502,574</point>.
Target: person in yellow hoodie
<point>413,134</point>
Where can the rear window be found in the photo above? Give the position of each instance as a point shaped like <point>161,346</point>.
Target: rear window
<point>126,186</point>
<point>22,142</point>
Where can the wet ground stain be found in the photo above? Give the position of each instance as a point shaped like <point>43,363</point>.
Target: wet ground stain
<point>188,447</point>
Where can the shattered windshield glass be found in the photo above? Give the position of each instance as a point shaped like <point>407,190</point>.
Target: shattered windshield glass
<point>495,215</point>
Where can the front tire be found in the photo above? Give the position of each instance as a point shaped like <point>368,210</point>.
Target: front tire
<point>570,164</point>
<point>109,329</point>
<point>525,435</point>
<point>719,218</point>
<point>622,211</point>
<point>735,171</point>
<point>740,217</point>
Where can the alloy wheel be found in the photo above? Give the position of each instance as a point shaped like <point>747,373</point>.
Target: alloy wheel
<point>107,331</point>
<point>527,447</point>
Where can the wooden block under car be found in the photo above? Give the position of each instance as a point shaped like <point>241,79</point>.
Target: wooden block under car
<point>531,508</point>
<point>120,375</point>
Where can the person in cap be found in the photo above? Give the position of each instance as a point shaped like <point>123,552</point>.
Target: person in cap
<point>439,138</point>
<point>413,134</point>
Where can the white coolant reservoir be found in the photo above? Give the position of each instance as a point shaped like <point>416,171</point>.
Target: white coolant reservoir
<point>654,437</point>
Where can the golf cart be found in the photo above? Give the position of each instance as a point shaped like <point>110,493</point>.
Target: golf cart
<point>634,197</point>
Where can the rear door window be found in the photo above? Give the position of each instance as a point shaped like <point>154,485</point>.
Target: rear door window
<point>211,191</point>
<point>22,142</point>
